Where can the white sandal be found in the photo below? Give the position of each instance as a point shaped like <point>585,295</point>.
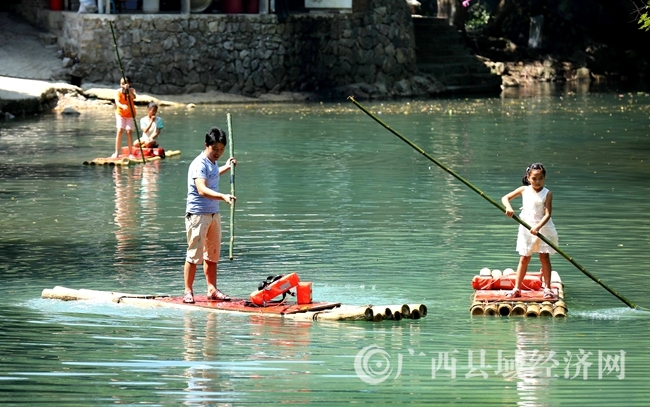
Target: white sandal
<point>515,293</point>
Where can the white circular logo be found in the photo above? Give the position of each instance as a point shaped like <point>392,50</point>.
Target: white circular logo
<point>372,364</point>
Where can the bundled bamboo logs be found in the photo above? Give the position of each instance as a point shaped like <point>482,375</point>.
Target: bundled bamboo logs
<point>395,312</point>
<point>124,161</point>
<point>338,313</point>
<point>520,307</point>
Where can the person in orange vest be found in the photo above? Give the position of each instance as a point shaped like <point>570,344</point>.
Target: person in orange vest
<point>124,114</point>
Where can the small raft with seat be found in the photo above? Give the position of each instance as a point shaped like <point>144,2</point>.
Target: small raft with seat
<point>265,301</point>
<point>491,287</point>
<point>150,154</point>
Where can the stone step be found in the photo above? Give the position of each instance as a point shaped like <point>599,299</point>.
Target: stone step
<point>441,52</point>
<point>476,79</point>
<point>47,38</point>
<point>438,70</point>
<point>433,52</point>
<point>436,25</point>
<point>434,42</point>
<point>448,59</point>
<point>435,32</point>
<point>438,42</point>
<point>430,21</point>
<point>474,89</point>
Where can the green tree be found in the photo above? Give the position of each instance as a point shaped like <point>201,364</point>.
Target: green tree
<point>644,17</point>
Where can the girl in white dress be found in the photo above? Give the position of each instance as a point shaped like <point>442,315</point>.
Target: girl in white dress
<point>536,211</point>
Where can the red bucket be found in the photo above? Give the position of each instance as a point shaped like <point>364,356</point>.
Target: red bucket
<point>232,6</point>
<point>56,5</point>
<point>252,6</point>
<point>303,293</point>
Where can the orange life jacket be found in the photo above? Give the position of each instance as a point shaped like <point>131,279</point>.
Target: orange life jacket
<point>122,98</point>
<point>273,287</point>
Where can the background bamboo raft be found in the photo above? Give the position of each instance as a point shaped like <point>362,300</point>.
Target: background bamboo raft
<point>332,311</point>
<point>123,161</point>
<point>526,306</point>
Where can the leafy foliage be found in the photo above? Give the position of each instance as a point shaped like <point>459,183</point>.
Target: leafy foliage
<point>644,18</point>
<point>477,17</point>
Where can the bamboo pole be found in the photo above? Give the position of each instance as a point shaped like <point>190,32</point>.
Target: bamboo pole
<point>546,311</point>
<point>476,309</point>
<point>533,310</point>
<point>559,312</point>
<point>395,312</point>
<point>128,94</point>
<point>493,202</point>
<point>519,309</point>
<point>406,311</point>
<point>342,313</point>
<point>504,309</point>
<point>232,186</point>
<point>422,309</point>
<point>491,310</point>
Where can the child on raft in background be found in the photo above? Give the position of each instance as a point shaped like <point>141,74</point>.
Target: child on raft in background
<point>151,126</point>
<point>536,211</point>
<point>124,114</point>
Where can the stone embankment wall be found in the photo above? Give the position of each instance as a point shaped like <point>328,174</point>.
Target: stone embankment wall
<point>371,51</point>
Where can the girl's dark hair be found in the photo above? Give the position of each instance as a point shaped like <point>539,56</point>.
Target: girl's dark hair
<point>126,79</point>
<point>215,135</point>
<point>533,166</point>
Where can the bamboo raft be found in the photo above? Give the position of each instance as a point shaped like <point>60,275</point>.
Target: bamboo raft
<point>316,311</point>
<point>124,161</point>
<point>531,303</point>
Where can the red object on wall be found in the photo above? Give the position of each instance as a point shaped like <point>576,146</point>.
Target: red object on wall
<point>232,6</point>
<point>56,5</point>
<point>252,6</point>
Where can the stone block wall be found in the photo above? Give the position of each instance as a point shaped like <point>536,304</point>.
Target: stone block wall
<point>245,54</point>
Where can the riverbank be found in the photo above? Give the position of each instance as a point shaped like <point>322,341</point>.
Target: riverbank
<point>32,79</point>
<point>21,97</point>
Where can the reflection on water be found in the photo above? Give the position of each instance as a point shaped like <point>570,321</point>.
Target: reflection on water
<point>535,364</point>
<point>327,193</point>
<point>201,341</point>
<point>125,220</point>
<point>136,211</point>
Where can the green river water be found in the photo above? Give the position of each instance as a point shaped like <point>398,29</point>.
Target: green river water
<point>326,192</point>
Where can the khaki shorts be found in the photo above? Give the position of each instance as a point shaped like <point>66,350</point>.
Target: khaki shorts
<point>203,238</point>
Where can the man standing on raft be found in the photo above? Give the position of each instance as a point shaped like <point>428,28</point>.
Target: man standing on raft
<point>202,218</point>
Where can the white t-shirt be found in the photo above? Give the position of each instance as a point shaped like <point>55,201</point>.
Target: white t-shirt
<point>144,122</point>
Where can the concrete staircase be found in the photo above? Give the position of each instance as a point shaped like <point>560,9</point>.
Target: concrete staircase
<point>441,52</point>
